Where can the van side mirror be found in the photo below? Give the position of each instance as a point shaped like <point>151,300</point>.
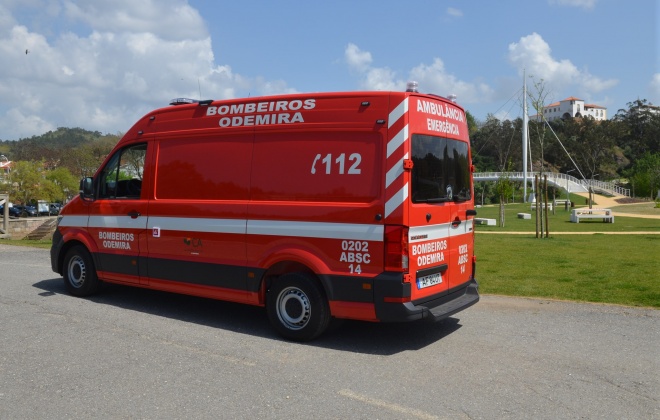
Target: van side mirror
<point>87,188</point>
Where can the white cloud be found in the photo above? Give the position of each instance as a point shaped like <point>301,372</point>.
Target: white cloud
<point>585,4</point>
<point>382,79</point>
<point>533,55</point>
<point>372,78</point>
<point>165,19</point>
<point>437,80</point>
<point>6,20</point>
<point>454,12</point>
<point>126,58</point>
<point>432,78</point>
<point>357,60</point>
<point>29,122</point>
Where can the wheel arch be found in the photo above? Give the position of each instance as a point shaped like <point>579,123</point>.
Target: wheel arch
<point>295,261</point>
<point>71,239</point>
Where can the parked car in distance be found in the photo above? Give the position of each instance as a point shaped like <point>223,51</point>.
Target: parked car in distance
<point>54,208</point>
<point>27,211</point>
<point>13,212</point>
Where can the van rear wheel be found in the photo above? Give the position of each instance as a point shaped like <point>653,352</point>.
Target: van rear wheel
<point>80,276</point>
<point>297,307</point>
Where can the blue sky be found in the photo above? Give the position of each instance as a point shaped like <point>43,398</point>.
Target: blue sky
<point>101,65</point>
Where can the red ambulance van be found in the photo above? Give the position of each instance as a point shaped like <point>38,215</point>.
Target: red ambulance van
<point>354,205</point>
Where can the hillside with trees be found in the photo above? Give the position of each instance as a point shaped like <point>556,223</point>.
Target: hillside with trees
<point>49,167</point>
<point>624,150</point>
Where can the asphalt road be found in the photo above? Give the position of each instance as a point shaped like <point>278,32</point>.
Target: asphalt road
<point>132,353</point>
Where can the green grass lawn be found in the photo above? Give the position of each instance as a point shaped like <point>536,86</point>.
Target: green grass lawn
<point>621,269</point>
<point>45,244</point>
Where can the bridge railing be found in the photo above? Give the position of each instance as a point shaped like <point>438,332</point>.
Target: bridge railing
<point>554,178</point>
<point>606,186</point>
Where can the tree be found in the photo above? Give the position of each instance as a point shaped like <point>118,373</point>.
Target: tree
<point>497,143</point>
<point>83,160</point>
<point>471,123</point>
<point>66,184</point>
<point>641,129</point>
<point>538,104</point>
<point>30,182</point>
<point>645,175</point>
<point>592,146</point>
<point>79,150</point>
<point>25,179</point>
<point>483,192</point>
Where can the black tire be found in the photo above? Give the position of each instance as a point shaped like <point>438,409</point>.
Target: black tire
<point>80,277</point>
<point>297,307</point>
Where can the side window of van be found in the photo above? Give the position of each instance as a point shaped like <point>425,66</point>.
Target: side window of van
<point>122,176</point>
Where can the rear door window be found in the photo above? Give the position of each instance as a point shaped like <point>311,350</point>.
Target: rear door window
<point>441,170</point>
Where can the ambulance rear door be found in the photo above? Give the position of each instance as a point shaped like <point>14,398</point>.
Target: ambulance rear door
<point>440,232</point>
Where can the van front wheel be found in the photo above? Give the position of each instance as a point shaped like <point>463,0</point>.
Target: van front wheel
<point>80,276</point>
<point>297,308</point>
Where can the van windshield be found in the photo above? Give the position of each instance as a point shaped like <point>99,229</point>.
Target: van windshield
<point>441,170</point>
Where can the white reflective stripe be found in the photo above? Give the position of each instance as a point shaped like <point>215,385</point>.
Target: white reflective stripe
<point>397,140</point>
<point>73,221</point>
<point>125,222</point>
<point>429,233</point>
<point>441,231</point>
<point>398,112</point>
<point>237,226</point>
<point>466,227</point>
<point>395,172</point>
<point>397,199</point>
<point>458,232</point>
<point>316,230</point>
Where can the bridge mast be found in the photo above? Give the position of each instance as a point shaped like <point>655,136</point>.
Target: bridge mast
<point>524,138</point>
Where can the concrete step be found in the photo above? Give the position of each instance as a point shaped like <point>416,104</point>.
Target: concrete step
<point>44,230</point>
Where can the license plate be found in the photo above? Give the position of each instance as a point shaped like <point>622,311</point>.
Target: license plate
<point>428,281</point>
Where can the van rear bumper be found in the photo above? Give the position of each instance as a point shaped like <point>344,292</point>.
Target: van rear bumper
<point>435,308</point>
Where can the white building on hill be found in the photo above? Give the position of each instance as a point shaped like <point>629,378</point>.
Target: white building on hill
<point>572,107</point>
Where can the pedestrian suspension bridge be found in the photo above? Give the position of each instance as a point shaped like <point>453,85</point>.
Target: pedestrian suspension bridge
<point>564,181</point>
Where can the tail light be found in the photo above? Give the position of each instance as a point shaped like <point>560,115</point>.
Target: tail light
<point>396,248</point>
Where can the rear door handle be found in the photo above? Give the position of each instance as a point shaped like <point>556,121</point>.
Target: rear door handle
<point>134,214</point>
